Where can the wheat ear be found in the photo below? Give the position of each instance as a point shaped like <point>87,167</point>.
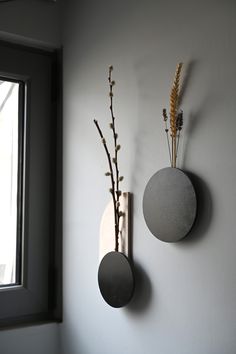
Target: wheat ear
<point>174,98</point>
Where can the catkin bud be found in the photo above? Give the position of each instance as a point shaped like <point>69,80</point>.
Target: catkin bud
<point>111,94</point>
<point>113,83</point>
<point>118,147</point>
<point>121,178</point>
<point>110,68</point>
<point>103,141</point>
<point>111,190</point>
<point>114,160</point>
<point>121,213</point>
<point>111,125</point>
<point>118,193</point>
<point>107,173</point>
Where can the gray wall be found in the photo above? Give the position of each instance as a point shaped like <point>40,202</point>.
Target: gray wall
<point>186,293</point>
<point>31,22</point>
<point>36,23</point>
<point>42,339</point>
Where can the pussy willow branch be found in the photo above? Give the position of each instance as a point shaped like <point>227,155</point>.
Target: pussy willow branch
<point>112,190</point>
<point>115,136</point>
<point>115,177</point>
<point>116,146</point>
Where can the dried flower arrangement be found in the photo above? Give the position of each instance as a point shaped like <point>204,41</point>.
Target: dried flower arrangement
<point>113,172</point>
<point>175,118</point>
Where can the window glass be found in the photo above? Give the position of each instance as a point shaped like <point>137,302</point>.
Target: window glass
<point>9,97</point>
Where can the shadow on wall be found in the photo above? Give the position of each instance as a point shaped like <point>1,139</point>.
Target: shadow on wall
<point>196,117</point>
<point>189,72</point>
<point>142,293</point>
<point>204,210</point>
<point>143,288</point>
<point>204,197</point>
<point>194,120</point>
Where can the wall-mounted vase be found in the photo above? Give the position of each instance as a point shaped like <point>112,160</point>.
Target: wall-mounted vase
<point>170,204</point>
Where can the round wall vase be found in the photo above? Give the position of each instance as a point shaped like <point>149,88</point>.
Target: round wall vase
<point>169,204</point>
<point>116,279</point>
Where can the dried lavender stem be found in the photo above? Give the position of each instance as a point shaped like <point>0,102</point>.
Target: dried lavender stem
<point>174,151</point>
<point>177,149</point>
<point>168,143</point>
<point>165,117</point>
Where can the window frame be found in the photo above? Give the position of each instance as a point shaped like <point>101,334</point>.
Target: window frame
<point>49,306</point>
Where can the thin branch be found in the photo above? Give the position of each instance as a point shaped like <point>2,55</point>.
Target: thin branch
<point>113,172</point>
<point>112,125</point>
<point>7,97</point>
<point>112,190</point>
<point>116,146</point>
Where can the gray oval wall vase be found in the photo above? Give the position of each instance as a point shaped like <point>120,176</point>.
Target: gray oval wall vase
<point>169,204</point>
<point>116,279</point>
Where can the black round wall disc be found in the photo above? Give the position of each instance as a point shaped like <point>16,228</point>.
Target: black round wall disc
<point>169,204</point>
<point>116,279</point>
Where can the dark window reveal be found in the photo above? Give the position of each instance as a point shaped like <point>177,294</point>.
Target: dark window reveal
<point>30,187</point>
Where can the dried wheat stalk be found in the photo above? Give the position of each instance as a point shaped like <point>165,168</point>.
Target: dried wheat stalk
<point>176,118</point>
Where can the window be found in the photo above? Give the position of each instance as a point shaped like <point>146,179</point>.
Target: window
<point>9,102</point>
<point>30,185</point>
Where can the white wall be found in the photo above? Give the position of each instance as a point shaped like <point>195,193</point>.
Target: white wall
<point>186,293</point>
<point>36,23</point>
